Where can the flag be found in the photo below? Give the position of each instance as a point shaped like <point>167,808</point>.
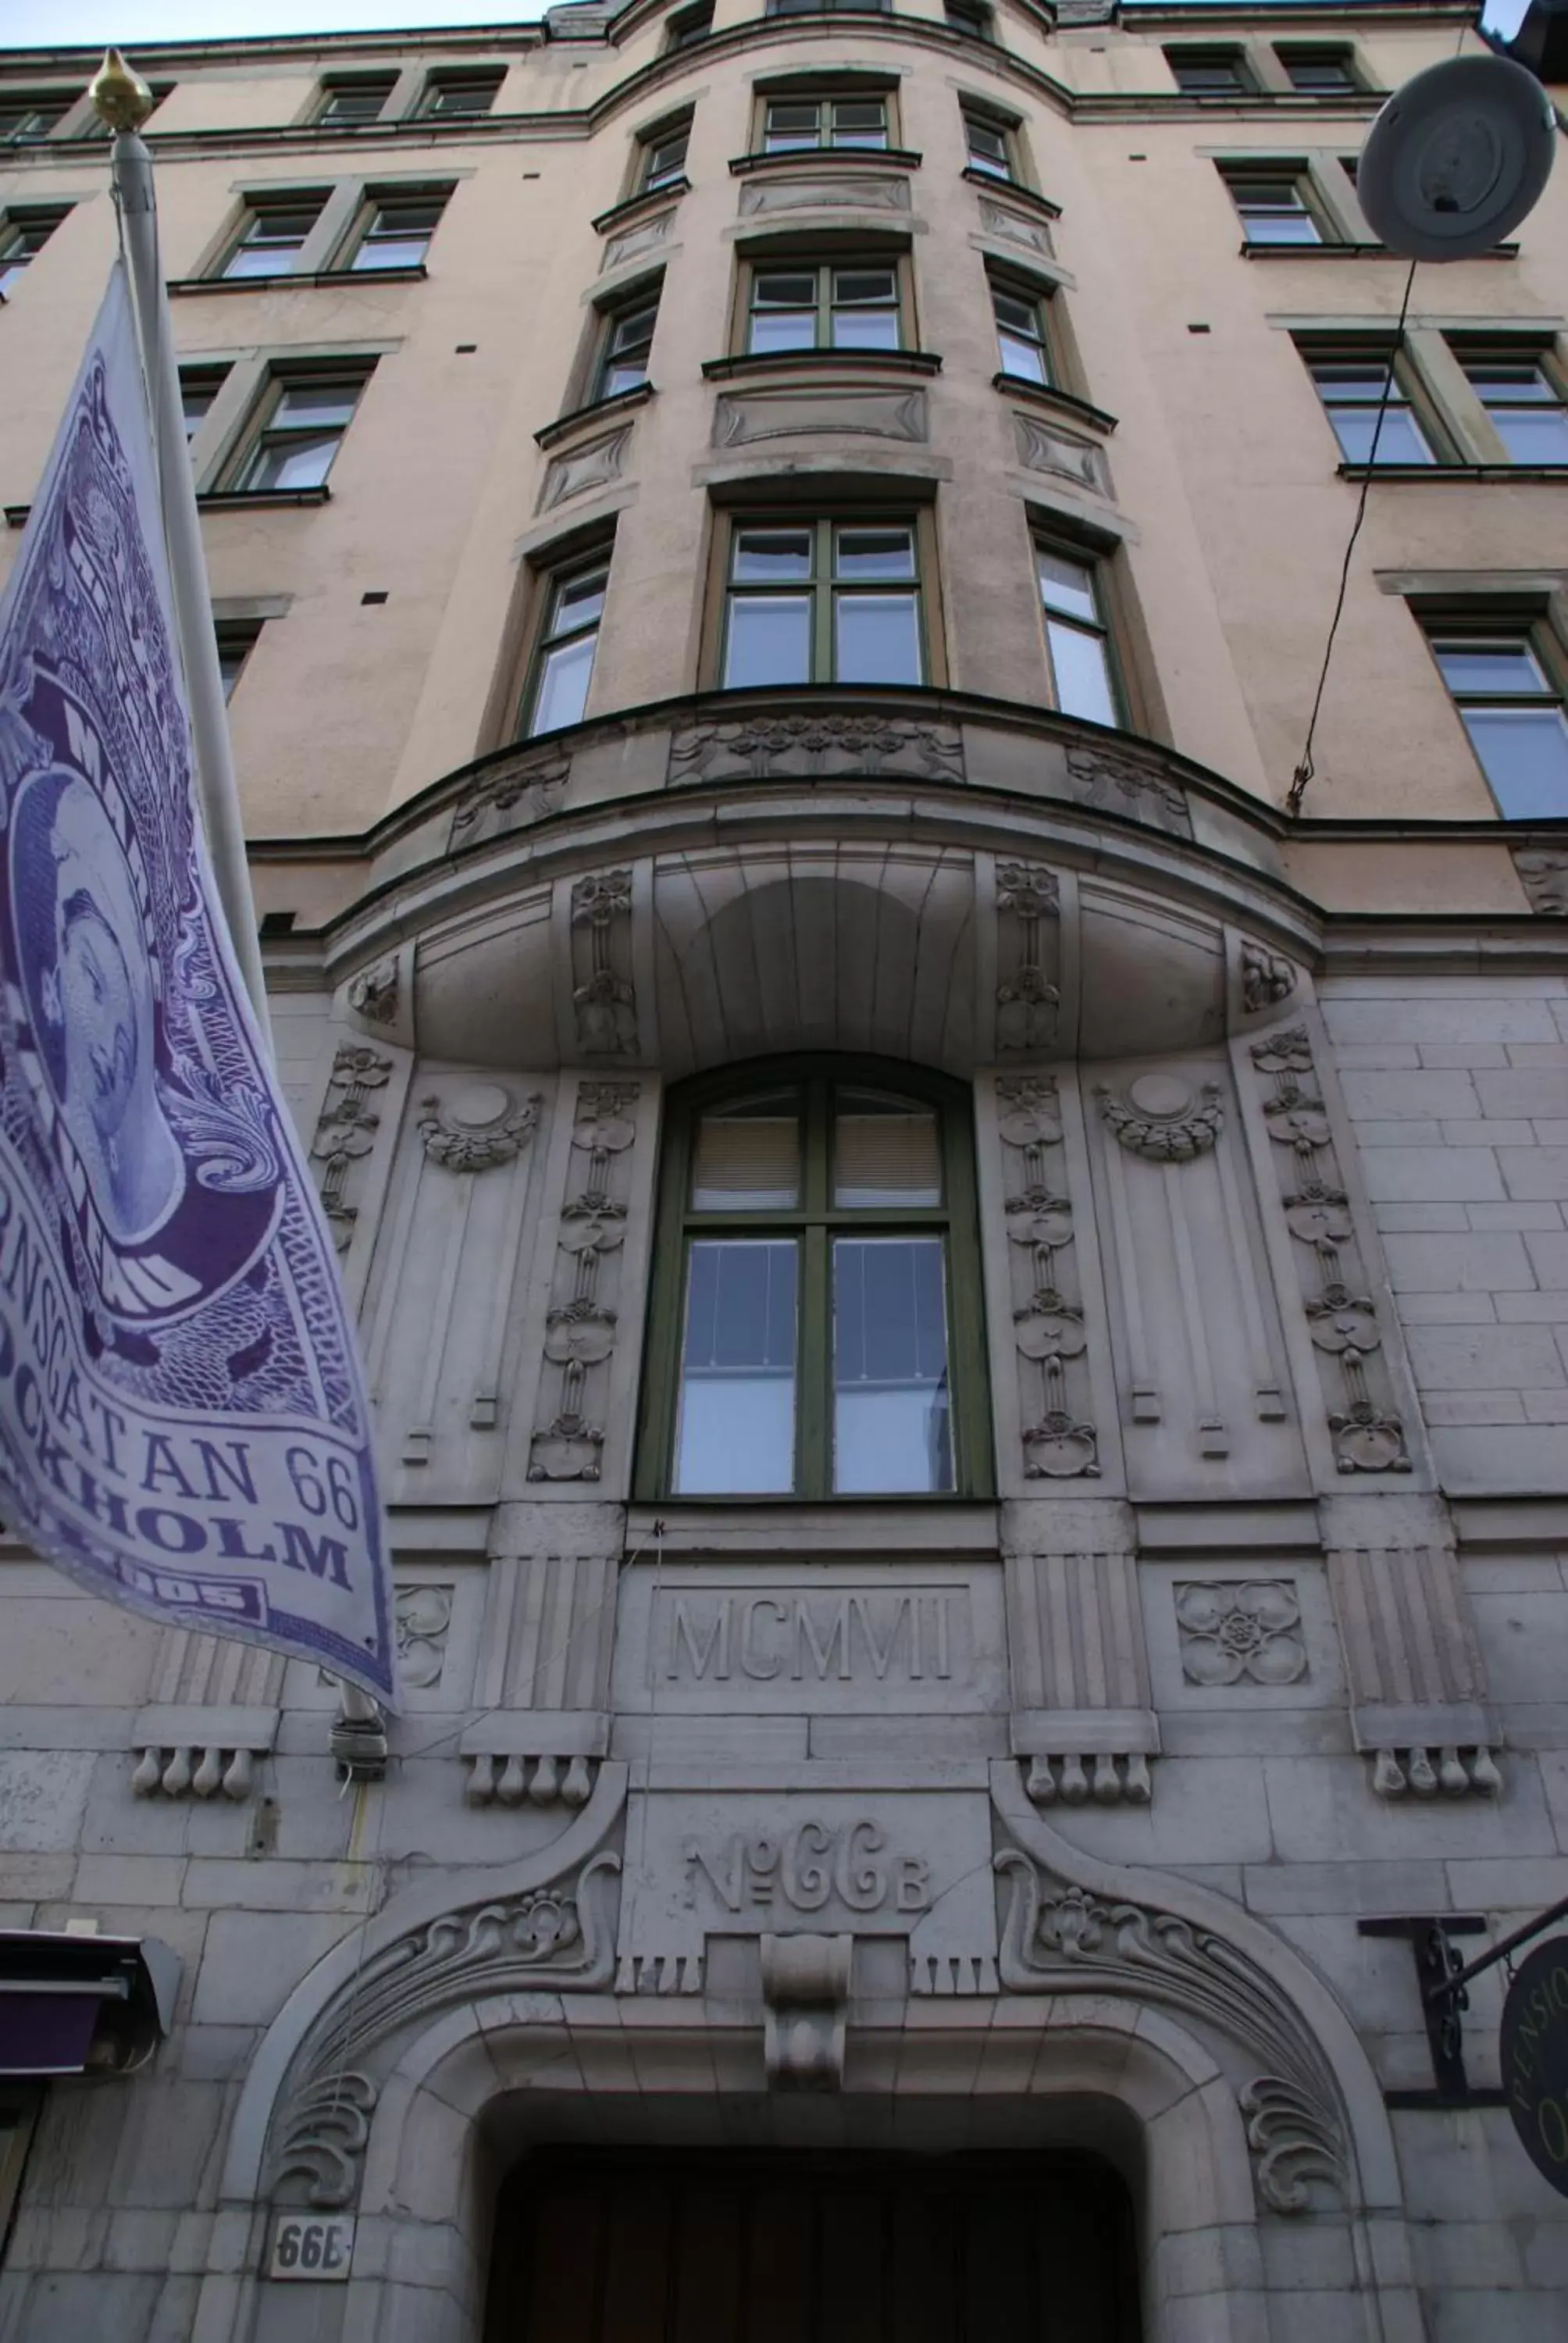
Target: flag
<point>183,1423</point>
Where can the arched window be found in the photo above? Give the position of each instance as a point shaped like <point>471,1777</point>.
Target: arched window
<point>816,1324</point>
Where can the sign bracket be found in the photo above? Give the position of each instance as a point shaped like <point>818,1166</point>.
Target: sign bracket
<point>1440,1977</point>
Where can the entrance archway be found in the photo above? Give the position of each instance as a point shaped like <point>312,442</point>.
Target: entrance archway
<point>801,2245</point>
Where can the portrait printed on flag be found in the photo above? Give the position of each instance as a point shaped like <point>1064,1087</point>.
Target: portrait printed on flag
<point>182,1420</point>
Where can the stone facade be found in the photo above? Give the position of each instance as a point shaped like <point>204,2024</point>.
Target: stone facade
<point>1045,1813</point>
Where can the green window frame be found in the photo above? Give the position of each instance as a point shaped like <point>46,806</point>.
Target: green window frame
<point>396,229</point>
<point>1522,393</point>
<point>1351,381</point>
<point>991,146</point>
<point>354,98</point>
<point>1023,344</point>
<point>1081,647</point>
<point>1211,72</point>
<point>24,233</point>
<point>34,115</point>
<point>835,598</point>
<point>560,673</point>
<point>663,156</point>
<point>237,638</point>
<point>626,342</point>
<point>459,97</point>
<point>1322,72</point>
<point>1506,674</point>
<point>303,417</point>
<point>842,304</point>
<point>272,235</point>
<point>886,1266</point>
<point>199,387</point>
<point>853,119</point>
<point>689,27</point>
<point>1274,205</point>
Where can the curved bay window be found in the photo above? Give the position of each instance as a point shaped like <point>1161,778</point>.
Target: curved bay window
<point>816,1321</point>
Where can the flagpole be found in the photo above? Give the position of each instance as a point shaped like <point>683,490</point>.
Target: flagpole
<point>123,100</point>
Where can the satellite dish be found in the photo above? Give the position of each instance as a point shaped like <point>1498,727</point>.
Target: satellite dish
<point>1457,158</point>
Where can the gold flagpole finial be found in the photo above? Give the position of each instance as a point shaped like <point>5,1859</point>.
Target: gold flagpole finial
<point>120,96</point>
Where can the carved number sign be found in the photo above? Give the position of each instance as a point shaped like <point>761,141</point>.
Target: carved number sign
<point>311,2245</point>
<point>804,1867</point>
<point>1532,2055</point>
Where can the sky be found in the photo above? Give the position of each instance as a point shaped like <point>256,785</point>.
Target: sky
<point>82,23</point>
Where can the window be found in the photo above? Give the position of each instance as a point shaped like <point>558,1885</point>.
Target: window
<point>397,231</point>
<point>452,96</point>
<point>274,235</point>
<point>816,1323</point>
<point>1021,332</point>
<point>970,18</point>
<point>1078,639</point>
<point>627,339</point>
<point>664,155</point>
<point>1210,73</point>
<point>1351,389</point>
<point>361,99</point>
<point>837,306</point>
<point>1273,206</point>
<point>301,432</point>
<point>563,665</point>
<point>237,638</point>
<point>691,26</point>
<point>790,123</point>
<point>24,118</point>
<point>822,601</point>
<point>200,386</point>
<point>1523,402</point>
<point>989,143</point>
<point>23,235</point>
<point>1505,683</point>
<point>1319,73</point>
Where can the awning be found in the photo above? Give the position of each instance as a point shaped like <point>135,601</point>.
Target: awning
<point>72,2003</point>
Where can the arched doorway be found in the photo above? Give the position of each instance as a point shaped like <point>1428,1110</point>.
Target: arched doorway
<point>758,2245</point>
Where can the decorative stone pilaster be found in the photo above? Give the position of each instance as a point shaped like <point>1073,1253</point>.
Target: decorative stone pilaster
<point>1057,1437</point>
<point>582,1320</point>
<point>1083,1716</point>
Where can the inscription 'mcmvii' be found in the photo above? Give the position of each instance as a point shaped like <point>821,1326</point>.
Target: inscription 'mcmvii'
<point>907,1637</point>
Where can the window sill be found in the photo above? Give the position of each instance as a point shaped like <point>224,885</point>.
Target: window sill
<point>646,202</point>
<point>813,159</point>
<point>1025,197</point>
<point>415,275</point>
<point>261,499</point>
<point>1537,474</point>
<point>1056,402</point>
<point>1352,252</point>
<point>597,411</point>
<point>895,362</point>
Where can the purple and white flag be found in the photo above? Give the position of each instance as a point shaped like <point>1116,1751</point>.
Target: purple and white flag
<point>183,1423</point>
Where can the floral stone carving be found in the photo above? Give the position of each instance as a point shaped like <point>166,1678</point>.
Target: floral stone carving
<point>532,781</point>
<point>1266,978</point>
<point>604,996</point>
<point>1232,1629</point>
<point>373,994</point>
<point>1048,1321</point>
<point>1028,905</point>
<point>580,1323</point>
<point>1158,1121</point>
<point>1117,782</point>
<point>792,747</point>
<point>422,1616</point>
<point>477,1128</point>
<point>346,1131</point>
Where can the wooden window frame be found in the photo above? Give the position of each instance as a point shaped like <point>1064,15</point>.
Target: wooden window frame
<point>769,261</point>
<point>335,84</point>
<point>814,1220</point>
<point>662,133</point>
<point>53,103</point>
<point>1291,171</point>
<point>1524,619</point>
<point>234,636</point>
<point>551,576</point>
<point>16,221</point>
<point>976,114</point>
<point>1213,53</point>
<point>447,77</point>
<point>1416,399</point>
<point>1340,53</point>
<point>823,94</point>
<point>255,205</point>
<point>678,37</point>
<point>630,302</point>
<point>1538,349</point>
<point>377,199</point>
<point>1013,286</point>
<point>1106,625</point>
<point>281,376</point>
<point>824,517</point>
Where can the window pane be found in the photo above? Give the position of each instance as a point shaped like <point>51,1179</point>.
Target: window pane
<point>578,602</point>
<point>865,329</point>
<point>304,404</point>
<point>1511,383</point>
<point>782,329</point>
<point>563,685</point>
<point>1490,669</point>
<point>887,1152</point>
<point>746,1158</point>
<point>874,553</point>
<point>1533,436</point>
<point>891,1420</point>
<point>790,126</point>
<point>1067,586</point>
<point>1024,358</point>
<point>1524,754</point>
<point>879,639</point>
<point>1083,672</point>
<point>767,557</point>
<point>1280,227</point>
<point>388,248</point>
<point>1399,440</point>
<point>294,463</point>
<point>734,1426</point>
<point>860,122</point>
<point>769,640</point>
<point>858,285</point>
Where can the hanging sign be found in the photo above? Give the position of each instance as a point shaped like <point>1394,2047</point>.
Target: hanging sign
<point>1532,2053</point>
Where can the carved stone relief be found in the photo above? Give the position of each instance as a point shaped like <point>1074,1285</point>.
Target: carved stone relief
<point>555,1939</point>
<point>1115,780</point>
<point>1014,227</point>
<point>806,2002</point>
<point>785,748</point>
<point>1080,1712</point>
<point>477,1127</point>
<point>1041,449</point>
<point>1059,1442</point>
<point>1234,1629</point>
<point>1029,951</point>
<point>852,193</point>
<point>512,795</point>
<point>1368,1436</point>
<point>1160,1119</point>
<point>603,994</point>
<point>373,994</point>
<point>346,1131</point>
<point>739,419</point>
<point>594,465</point>
<point>524,1776</point>
<point>1267,980</point>
<point>1544,875</point>
<point>200,1753</point>
<point>423,1619</point>
<point>637,240</point>
<point>580,1325</point>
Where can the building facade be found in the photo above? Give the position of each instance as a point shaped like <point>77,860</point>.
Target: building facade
<point>968,1305</point>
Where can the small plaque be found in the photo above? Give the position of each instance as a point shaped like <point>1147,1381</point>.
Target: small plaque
<point>318,2246</point>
